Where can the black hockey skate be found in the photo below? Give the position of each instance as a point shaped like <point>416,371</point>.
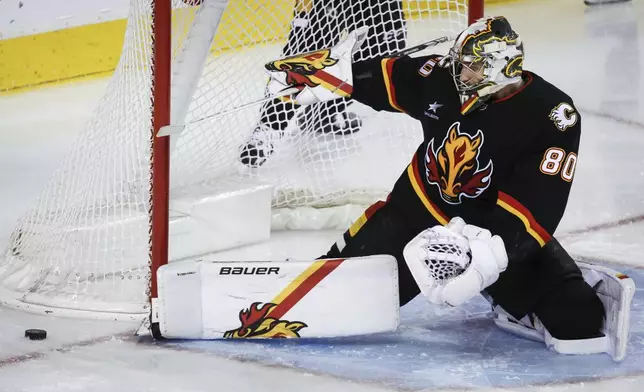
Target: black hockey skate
<point>260,146</point>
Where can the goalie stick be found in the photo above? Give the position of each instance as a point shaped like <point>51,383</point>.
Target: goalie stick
<point>178,128</point>
<point>175,129</point>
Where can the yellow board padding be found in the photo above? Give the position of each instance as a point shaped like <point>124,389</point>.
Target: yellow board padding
<point>254,21</point>
<point>61,55</point>
<point>95,49</point>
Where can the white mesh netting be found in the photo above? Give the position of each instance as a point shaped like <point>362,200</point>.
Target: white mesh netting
<point>84,246</point>
<point>446,258</point>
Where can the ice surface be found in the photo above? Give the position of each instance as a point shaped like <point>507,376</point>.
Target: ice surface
<point>595,55</point>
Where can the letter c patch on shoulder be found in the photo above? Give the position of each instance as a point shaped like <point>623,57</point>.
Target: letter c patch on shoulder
<point>564,116</point>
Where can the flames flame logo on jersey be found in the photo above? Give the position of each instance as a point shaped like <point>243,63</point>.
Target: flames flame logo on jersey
<point>564,116</point>
<point>299,69</point>
<point>257,323</point>
<point>454,166</point>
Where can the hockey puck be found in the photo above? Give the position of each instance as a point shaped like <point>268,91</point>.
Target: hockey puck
<point>36,334</point>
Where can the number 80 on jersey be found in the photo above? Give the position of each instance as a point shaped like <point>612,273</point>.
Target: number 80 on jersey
<point>556,161</point>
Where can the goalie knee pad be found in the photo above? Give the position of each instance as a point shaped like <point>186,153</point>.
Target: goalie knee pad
<point>614,289</point>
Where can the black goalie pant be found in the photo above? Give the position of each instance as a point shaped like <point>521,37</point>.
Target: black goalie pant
<point>550,285</point>
<point>319,24</point>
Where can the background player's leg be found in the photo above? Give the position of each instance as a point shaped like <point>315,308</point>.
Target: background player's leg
<point>387,35</point>
<point>388,32</point>
<point>319,24</point>
<point>380,230</point>
<point>312,28</point>
<point>331,116</point>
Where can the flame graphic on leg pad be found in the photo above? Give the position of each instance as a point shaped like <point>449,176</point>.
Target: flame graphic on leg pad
<point>454,166</point>
<point>256,323</point>
<point>265,321</point>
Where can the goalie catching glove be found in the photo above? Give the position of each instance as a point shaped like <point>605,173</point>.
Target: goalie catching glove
<point>453,263</point>
<point>322,75</point>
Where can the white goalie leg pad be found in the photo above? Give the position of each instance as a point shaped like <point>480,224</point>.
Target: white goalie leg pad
<point>316,298</point>
<point>616,291</point>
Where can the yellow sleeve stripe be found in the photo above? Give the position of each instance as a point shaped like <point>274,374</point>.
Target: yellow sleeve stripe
<point>515,208</point>
<point>416,183</point>
<point>387,66</point>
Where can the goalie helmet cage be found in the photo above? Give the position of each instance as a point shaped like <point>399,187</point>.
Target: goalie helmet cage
<point>99,231</point>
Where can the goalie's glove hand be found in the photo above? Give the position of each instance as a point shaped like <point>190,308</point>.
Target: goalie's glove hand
<point>322,75</point>
<point>452,264</point>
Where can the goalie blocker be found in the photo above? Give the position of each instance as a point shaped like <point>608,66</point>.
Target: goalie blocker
<point>288,299</point>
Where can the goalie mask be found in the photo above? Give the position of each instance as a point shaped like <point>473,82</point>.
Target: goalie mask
<point>486,56</point>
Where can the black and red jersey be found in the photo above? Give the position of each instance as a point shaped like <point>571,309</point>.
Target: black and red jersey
<point>507,167</point>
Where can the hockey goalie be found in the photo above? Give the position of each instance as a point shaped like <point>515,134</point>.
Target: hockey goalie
<point>473,213</point>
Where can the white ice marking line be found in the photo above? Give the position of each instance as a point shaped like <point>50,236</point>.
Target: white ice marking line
<point>611,117</point>
<point>62,349</point>
<point>602,226</point>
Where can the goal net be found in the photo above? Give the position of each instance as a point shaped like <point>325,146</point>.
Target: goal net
<point>85,246</point>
